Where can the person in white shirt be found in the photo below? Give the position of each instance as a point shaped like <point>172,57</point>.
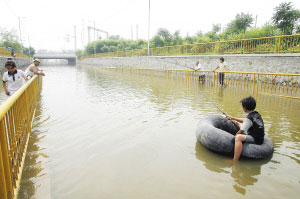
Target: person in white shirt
<point>199,67</point>
<point>12,80</point>
<point>222,67</point>
<point>33,69</point>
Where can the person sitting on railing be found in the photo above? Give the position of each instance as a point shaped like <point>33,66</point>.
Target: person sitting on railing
<point>199,67</point>
<point>222,67</point>
<point>12,80</point>
<point>33,69</point>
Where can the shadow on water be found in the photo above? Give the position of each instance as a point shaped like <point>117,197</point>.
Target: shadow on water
<point>244,172</point>
<point>34,171</point>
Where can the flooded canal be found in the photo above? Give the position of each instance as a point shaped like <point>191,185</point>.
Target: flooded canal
<point>111,134</point>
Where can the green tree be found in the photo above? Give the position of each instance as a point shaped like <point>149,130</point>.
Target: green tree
<point>176,38</point>
<point>286,17</point>
<point>9,39</point>
<point>240,24</point>
<point>29,51</point>
<point>165,35</point>
<point>80,53</point>
<point>216,28</point>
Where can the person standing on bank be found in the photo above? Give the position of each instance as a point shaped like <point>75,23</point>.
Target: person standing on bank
<point>33,69</point>
<point>251,128</point>
<point>12,80</point>
<point>199,67</point>
<point>222,67</point>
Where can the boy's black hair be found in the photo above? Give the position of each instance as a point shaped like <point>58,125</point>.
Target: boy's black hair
<point>249,103</point>
<point>222,58</point>
<point>10,63</point>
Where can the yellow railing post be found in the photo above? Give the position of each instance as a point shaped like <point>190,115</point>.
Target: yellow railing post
<point>279,45</point>
<point>3,190</point>
<point>257,83</point>
<point>275,50</point>
<point>214,76</point>
<point>253,83</point>
<point>6,161</point>
<point>241,46</point>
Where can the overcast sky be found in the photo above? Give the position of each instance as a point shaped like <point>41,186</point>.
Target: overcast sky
<point>46,23</point>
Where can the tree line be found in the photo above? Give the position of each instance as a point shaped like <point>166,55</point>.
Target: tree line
<point>285,21</point>
<point>8,39</point>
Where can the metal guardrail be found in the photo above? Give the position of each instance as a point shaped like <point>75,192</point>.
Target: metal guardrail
<point>4,52</point>
<point>276,44</point>
<point>16,115</point>
<point>274,84</point>
<point>7,53</point>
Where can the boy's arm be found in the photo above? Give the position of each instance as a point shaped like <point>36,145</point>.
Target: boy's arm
<point>5,87</point>
<point>40,72</point>
<point>229,117</point>
<point>25,77</point>
<point>239,132</point>
<point>217,68</point>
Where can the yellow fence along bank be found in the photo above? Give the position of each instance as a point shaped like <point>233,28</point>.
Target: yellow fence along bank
<point>16,115</point>
<point>274,84</point>
<point>275,44</point>
<point>7,53</point>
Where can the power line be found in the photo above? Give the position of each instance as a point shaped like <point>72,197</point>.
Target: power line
<point>10,8</point>
<point>122,9</point>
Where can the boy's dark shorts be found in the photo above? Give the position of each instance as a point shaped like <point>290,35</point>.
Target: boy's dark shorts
<point>249,139</point>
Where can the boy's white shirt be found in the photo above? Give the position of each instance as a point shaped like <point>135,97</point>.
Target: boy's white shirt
<point>246,125</point>
<point>13,86</point>
<point>200,67</point>
<point>223,66</point>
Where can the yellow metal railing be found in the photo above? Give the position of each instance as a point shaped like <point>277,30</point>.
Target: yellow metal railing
<point>275,84</point>
<point>276,44</point>
<point>7,53</point>
<point>16,115</point>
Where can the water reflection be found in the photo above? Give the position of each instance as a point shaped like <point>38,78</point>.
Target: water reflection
<point>34,177</point>
<point>244,173</point>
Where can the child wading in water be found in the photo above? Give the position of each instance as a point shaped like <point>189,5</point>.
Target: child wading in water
<point>222,67</point>
<point>251,127</point>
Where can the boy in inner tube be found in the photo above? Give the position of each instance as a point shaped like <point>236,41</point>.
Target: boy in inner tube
<point>251,128</point>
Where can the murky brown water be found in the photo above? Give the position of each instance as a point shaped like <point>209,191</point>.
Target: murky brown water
<point>108,134</point>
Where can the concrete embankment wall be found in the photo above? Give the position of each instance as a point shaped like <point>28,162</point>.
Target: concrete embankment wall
<point>20,62</point>
<point>269,63</point>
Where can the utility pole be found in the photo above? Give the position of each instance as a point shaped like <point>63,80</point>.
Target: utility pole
<point>20,34</point>
<point>98,30</point>
<point>149,31</point>
<point>29,47</point>
<point>94,38</point>
<point>83,38</point>
<point>255,21</point>
<point>75,39</point>
<point>137,32</point>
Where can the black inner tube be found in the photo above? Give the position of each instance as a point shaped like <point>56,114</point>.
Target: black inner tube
<point>224,124</point>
